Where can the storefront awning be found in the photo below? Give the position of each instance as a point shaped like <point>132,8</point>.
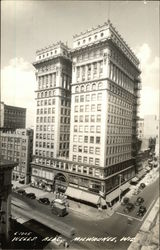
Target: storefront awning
<point>135,179</point>
<point>141,173</point>
<point>82,195</point>
<point>111,196</point>
<point>92,198</point>
<point>125,186</point>
<point>73,192</point>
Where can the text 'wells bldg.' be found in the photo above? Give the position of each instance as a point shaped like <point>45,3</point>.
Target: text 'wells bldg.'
<point>104,99</point>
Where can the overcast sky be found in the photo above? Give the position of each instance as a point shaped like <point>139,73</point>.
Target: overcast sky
<point>30,25</point>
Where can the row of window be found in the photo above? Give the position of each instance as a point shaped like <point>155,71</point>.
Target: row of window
<point>87,139</point>
<point>86,160</point>
<point>118,139</point>
<point>46,102</point>
<point>89,71</point>
<point>120,78</point>
<point>47,93</point>
<point>65,111</point>
<point>119,121</point>
<point>89,87</point>
<point>64,137</point>
<point>44,144</point>
<point>88,97</point>
<point>87,108</point>
<point>87,118</point>
<point>86,149</point>
<point>118,149</point>
<point>117,159</point>
<point>44,127</point>
<point>119,111</point>
<point>13,153</point>
<point>51,53</point>
<point>87,129</point>
<point>45,119</point>
<point>65,120</point>
<point>45,136</point>
<point>122,97</point>
<point>46,111</point>
<point>118,130</point>
<point>12,139</point>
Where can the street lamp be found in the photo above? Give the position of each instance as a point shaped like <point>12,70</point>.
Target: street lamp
<point>120,179</point>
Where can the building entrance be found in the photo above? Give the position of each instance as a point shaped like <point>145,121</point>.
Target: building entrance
<point>60,183</point>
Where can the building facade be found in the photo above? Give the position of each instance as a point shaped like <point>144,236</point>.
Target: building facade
<point>6,168</point>
<point>104,99</point>
<point>12,117</point>
<point>17,146</point>
<point>53,96</point>
<point>140,128</point>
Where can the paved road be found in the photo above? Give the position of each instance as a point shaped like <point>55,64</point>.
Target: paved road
<point>115,226</point>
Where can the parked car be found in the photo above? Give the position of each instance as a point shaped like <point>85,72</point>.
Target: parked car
<point>63,202</point>
<point>59,210</point>
<point>142,210</point>
<point>142,185</point>
<point>31,195</point>
<point>139,201</point>
<point>129,208</point>
<point>136,191</point>
<point>125,201</point>
<point>44,201</point>
<point>21,191</point>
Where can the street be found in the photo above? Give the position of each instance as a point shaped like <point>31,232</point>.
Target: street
<point>117,226</point>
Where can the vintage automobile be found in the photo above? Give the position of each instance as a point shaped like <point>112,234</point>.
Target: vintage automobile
<point>59,210</point>
<point>142,210</point>
<point>129,207</point>
<point>139,201</point>
<point>44,201</point>
<point>21,191</point>
<point>31,195</point>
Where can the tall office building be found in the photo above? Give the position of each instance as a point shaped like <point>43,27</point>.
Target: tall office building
<point>105,85</point>
<point>12,117</point>
<point>53,72</point>
<point>104,100</point>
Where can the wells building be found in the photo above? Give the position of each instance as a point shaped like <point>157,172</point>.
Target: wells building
<point>104,100</point>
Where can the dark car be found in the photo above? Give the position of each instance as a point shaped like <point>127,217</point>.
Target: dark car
<point>142,185</point>
<point>44,201</point>
<point>129,208</point>
<point>31,195</point>
<point>142,210</point>
<point>21,191</point>
<point>139,201</point>
<point>125,201</point>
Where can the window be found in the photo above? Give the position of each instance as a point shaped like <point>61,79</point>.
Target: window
<point>92,118</point>
<point>99,96</point>
<point>86,139</point>
<point>86,118</point>
<point>91,150</point>
<point>86,108</point>
<point>75,128</point>
<point>97,151</point>
<point>93,107</point>
<point>99,107</point>
<point>90,160</point>
<point>98,129</point>
<point>86,129</point>
<point>93,97</point>
<point>79,148</point>
<point>91,139</point>
<point>92,129</point>
<point>81,108</point>
<point>82,98</point>
<point>87,98</point>
<point>85,159</point>
<point>75,138</point>
<point>79,158</point>
<point>81,118</point>
<point>85,149</point>
<point>75,118</point>
<point>97,162</point>
<point>76,98</point>
<point>98,139</point>
<point>80,139</point>
<point>75,109</point>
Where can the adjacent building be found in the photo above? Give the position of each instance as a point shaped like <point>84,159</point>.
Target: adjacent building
<point>140,128</point>
<point>104,95</point>
<point>17,146</point>
<point>6,168</point>
<point>12,117</point>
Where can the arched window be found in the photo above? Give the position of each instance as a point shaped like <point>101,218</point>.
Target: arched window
<point>99,85</point>
<point>93,86</point>
<point>82,88</point>
<point>87,87</point>
<point>77,89</point>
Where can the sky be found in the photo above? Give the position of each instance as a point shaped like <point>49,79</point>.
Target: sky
<point>27,26</point>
